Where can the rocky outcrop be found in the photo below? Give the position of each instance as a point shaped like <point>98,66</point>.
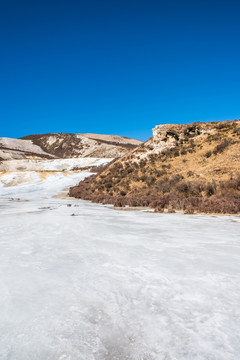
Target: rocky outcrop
<point>171,135</point>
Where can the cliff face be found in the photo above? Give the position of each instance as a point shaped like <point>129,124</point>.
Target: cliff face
<point>190,167</point>
<point>169,135</point>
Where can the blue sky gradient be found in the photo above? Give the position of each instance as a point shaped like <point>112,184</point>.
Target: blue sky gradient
<point>117,67</point>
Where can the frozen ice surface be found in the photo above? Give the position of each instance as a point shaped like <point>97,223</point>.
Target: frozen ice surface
<point>51,165</point>
<point>113,285</point>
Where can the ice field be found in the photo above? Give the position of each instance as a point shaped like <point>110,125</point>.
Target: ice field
<point>107,284</point>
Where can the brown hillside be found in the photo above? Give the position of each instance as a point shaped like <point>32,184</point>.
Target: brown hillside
<point>65,145</point>
<point>114,139</point>
<point>193,167</point>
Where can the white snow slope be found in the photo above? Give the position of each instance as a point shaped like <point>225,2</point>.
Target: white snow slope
<point>113,285</point>
<point>18,145</point>
<point>51,165</point>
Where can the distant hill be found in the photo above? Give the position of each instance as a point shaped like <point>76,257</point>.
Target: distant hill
<point>191,167</point>
<point>16,149</point>
<point>114,139</point>
<point>63,145</point>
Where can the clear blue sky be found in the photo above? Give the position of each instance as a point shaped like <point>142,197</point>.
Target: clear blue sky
<point>117,67</point>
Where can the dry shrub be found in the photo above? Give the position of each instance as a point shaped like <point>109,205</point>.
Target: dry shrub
<point>222,146</point>
<point>208,154</point>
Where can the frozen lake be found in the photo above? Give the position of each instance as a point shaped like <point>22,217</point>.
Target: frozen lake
<point>113,285</point>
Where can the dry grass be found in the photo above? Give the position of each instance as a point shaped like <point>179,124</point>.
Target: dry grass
<point>183,172</point>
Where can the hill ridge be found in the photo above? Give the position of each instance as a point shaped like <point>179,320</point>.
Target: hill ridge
<point>63,145</point>
<point>188,167</point>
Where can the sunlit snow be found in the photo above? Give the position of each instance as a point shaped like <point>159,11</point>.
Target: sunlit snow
<point>51,165</point>
<point>106,284</point>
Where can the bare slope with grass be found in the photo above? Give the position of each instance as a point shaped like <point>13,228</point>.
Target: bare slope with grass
<point>114,139</point>
<point>65,145</point>
<point>20,149</point>
<point>192,167</point>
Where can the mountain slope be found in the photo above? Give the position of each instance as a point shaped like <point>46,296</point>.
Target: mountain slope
<point>62,145</point>
<point>114,139</point>
<point>192,167</point>
<point>20,149</point>
<point>78,145</point>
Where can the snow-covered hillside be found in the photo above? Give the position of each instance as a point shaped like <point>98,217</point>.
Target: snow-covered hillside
<point>20,149</point>
<point>64,145</point>
<point>113,285</point>
<point>51,165</point>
